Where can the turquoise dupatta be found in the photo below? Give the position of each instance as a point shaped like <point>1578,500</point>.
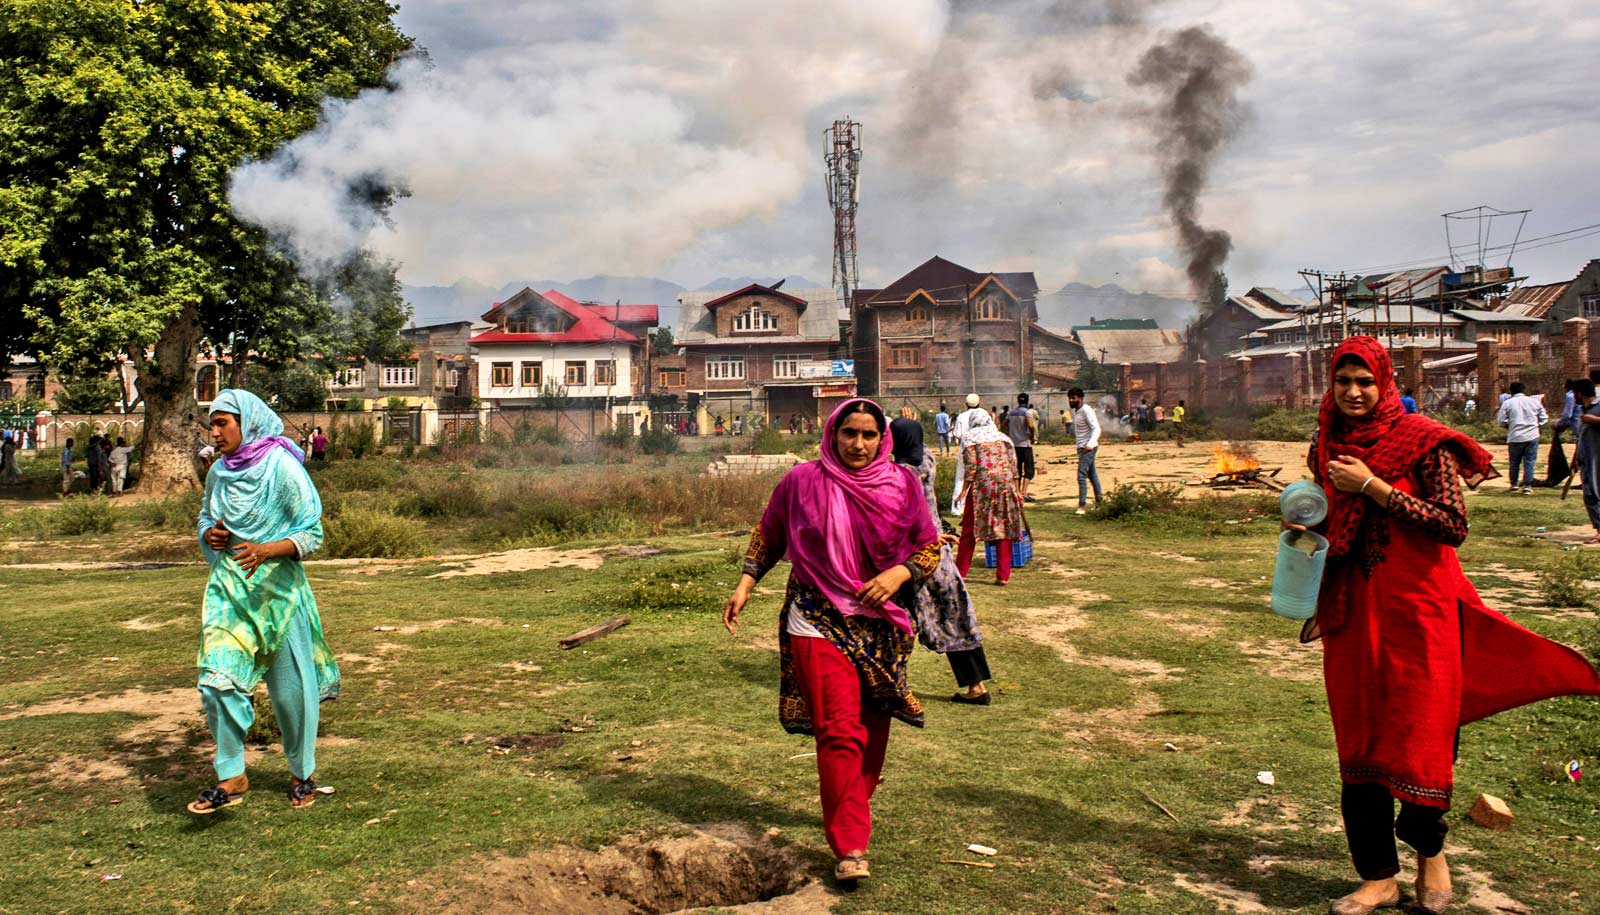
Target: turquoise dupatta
<point>245,620</point>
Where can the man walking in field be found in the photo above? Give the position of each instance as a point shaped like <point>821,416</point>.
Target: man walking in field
<point>1178,414</point>
<point>941,426</point>
<point>66,468</point>
<point>1086,430</point>
<point>1022,425</point>
<point>1522,416</point>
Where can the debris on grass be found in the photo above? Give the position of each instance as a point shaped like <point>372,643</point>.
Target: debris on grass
<point>1159,806</point>
<point>1491,812</point>
<point>1574,771</point>
<point>594,632</point>
<point>983,864</point>
<point>1265,777</point>
<point>984,850</point>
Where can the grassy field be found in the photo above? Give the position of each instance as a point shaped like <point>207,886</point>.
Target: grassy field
<point>1137,668</point>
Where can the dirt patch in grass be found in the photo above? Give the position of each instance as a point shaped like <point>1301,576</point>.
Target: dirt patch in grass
<point>1186,628</point>
<point>1114,723</point>
<point>1225,897</point>
<point>165,714</point>
<point>143,624</point>
<point>1284,659</point>
<point>80,770</point>
<point>1217,584</point>
<point>429,626</point>
<point>530,560</point>
<point>1050,625</point>
<point>1284,816</point>
<point>729,867</point>
<point>1481,891</point>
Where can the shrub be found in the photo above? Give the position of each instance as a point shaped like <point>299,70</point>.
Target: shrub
<point>1280,425</point>
<point>357,476</point>
<point>264,729</point>
<point>1479,426</point>
<point>658,441</point>
<point>357,439</point>
<point>698,587</point>
<point>179,511</point>
<point>456,496</point>
<point>83,514</point>
<point>769,441</point>
<point>1139,500</point>
<point>1562,583</point>
<point>360,533</point>
<point>618,437</point>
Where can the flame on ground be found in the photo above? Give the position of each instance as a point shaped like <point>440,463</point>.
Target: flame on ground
<point>1233,458</point>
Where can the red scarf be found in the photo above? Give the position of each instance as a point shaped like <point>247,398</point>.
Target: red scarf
<point>1388,440</point>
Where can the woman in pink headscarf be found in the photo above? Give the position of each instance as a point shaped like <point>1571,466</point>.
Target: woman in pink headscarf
<point>859,539</point>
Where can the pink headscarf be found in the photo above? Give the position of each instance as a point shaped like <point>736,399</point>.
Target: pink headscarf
<point>840,527</point>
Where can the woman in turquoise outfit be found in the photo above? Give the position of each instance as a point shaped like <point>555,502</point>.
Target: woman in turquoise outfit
<point>260,517</point>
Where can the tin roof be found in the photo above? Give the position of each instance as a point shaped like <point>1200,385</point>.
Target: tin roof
<point>1113,347</point>
<point>1535,301</point>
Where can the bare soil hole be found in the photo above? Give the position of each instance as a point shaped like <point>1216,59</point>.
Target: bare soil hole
<point>714,866</point>
<point>533,742</point>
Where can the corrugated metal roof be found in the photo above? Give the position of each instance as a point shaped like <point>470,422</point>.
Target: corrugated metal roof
<point>1382,314</point>
<point>1535,301</point>
<point>819,322</point>
<point>1259,310</point>
<point>1283,300</point>
<point>1493,317</point>
<point>1160,345</point>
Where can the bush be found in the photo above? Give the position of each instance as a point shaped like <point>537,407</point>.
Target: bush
<point>1139,499</point>
<point>83,514</point>
<point>264,728</point>
<point>1480,426</point>
<point>618,437</point>
<point>361,533</point>
<point>1562,584</point>
<point>456,496</point>
<point>363,476</point>
<point>698,587</point>
<point>357,439</point>
<point>1281,425</point>
<point>769,441</point>
<point>178,512</point>
<point>658,441</point>
<point>87,394</point>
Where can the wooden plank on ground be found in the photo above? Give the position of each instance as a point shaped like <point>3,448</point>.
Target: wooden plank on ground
<point>594,632</point>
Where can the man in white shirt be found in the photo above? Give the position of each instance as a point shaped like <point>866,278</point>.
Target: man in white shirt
<point>1086,429</point>
<point>119,466</point>
<point>1522,416</point>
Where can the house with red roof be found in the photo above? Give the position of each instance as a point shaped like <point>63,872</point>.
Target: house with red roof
<point>547,344</point>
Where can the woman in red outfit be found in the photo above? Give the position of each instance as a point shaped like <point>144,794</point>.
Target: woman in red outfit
<point>856,532</point>
<point>1410,653</point>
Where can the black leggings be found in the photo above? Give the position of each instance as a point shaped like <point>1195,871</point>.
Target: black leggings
<point>1371,827</point>
<point>970,667</point>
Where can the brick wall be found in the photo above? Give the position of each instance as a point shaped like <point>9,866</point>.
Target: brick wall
<point>788,315</point>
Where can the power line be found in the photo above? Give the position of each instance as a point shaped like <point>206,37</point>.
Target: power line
<point>1429,260</point>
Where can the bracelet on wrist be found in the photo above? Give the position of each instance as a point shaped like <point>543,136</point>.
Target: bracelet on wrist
<point>1363,490</point>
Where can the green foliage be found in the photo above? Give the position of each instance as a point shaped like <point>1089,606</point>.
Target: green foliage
<point>293,387</point>
<point>83,514</point>
<point>553,397</point>
<point>657,440</point>
<point>395,404</point>
<point>357,439</point>
<point>178,512</point>
<point>1139,500</point>
<point>264,728</point>
<point>357,476</point>
<point>1095,376</point>
<point>1563,582</point>
<point>355,405</point>
<point>1479,425</point>
<point>123,125</point>
<point>686,587</point>
<point>28,405</point>
<point>455,496</point>
<point>769,441</point>
<point>661,341</point>
<point>1281,425</point>
<point>363,533</point>
<point>87,393</point>
<point>617,437</point>
<point>528,432</point>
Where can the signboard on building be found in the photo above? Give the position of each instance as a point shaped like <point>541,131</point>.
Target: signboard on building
<point>837,368</point>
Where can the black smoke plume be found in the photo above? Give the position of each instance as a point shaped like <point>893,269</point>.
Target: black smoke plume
<point>1199,77</point>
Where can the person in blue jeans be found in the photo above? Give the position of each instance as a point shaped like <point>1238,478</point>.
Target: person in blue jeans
<point>941,426</point>
<point>1086,430</point>
<point>1522,416</point>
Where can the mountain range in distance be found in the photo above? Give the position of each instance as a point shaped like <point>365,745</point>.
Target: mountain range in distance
<point>1071,305</point>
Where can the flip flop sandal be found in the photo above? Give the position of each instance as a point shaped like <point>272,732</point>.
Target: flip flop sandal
<point>305,792</point>
<point>213,799</point>
<point>851,867</point>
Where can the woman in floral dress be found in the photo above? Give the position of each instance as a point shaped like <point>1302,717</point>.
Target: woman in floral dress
<point>993,506</point>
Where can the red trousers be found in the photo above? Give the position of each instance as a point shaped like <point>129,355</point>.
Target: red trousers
<point>851,741</point>
<point>969,543</point>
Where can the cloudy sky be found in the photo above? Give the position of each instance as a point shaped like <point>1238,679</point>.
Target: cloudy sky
<point>683,139</point>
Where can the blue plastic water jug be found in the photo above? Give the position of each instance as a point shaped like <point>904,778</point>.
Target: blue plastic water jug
<point>1298,576</point>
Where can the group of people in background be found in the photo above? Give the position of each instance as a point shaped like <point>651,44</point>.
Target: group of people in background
<point>106,464</point>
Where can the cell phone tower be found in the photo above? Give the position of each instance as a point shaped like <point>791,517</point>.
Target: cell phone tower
<point>841,153</point>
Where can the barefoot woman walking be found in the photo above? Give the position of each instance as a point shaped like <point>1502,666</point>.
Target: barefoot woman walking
<point>1410,653</point>
<point>260,517</point>
<point>856,532</point>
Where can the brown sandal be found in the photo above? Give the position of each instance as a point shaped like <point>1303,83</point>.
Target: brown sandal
<point>213,799</point>
<point>851,868</point>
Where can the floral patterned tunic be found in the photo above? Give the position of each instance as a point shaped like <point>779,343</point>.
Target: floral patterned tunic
<point>991,489</point>
<point>878,648</point>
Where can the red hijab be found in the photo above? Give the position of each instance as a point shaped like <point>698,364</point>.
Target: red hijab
<point>1388,440</point>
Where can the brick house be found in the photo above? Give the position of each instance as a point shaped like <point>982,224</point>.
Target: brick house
<point>764,351</point>
<point>593,355</point>
<point>437,372</point>
<point>945,328</point>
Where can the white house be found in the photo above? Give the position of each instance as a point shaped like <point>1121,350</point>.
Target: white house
<point>595,355</point>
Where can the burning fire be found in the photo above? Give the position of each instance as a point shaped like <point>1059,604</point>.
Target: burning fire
<point>1233,458</point>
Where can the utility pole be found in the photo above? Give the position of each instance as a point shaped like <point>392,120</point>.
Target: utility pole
<point>841,155</point>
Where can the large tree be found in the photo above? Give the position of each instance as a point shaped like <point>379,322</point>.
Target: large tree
<point>120,124</point>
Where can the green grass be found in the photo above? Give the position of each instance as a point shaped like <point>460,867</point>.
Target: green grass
<point>1054,774</point>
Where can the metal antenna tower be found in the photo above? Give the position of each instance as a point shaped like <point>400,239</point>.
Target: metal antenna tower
<point>1481,243</point>
<point>841,153</point>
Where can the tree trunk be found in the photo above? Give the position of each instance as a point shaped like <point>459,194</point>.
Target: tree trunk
<point>172,418</point>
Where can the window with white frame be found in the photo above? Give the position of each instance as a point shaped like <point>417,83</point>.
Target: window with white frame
<point>756,319</point>
<point>350,377</point>
<point>725,368</point>
<point>398,376</point>
<point>453,379</point>
<point>787,365</point>
<point>1591,304</point>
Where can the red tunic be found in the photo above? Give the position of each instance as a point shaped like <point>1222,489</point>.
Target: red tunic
<point>1410,651</point>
